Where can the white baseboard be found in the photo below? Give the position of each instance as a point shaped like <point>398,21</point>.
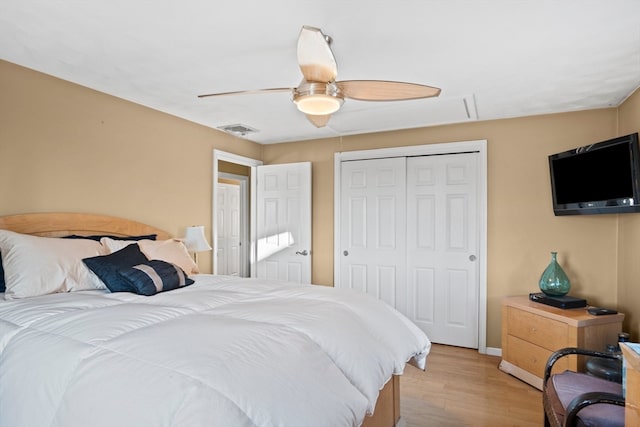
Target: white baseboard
<point>493,351</point>
<point>401,423</point>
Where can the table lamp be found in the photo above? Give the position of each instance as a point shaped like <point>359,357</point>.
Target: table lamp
<point>195,240</point>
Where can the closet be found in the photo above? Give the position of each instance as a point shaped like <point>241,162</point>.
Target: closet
<point>409,229</point>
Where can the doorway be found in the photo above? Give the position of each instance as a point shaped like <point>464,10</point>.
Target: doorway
<point>242,169</point>
<point>233,223</point>
<point>392,193</point>
<point>277,209</point>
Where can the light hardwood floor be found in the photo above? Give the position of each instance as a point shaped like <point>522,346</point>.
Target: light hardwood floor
<point>461,387</point>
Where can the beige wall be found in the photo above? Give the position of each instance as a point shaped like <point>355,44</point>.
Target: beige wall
<point>68,148</point>
<point>629,236</point>
<point>233,168</point>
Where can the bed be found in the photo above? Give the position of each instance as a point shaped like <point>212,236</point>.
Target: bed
<point>181,348</point>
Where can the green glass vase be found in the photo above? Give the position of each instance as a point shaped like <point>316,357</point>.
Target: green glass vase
<point>554,281</point>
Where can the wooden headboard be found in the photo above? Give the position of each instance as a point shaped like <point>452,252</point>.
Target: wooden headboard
<point>58,224</point>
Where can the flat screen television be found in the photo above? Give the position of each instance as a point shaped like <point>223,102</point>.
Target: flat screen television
<point>601,178</point>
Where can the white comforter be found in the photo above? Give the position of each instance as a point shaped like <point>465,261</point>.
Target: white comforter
<point>222,352</point>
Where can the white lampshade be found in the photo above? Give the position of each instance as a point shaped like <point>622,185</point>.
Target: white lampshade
<point>194,239</point>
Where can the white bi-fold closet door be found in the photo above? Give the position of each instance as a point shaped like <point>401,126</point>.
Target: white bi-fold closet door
<point>409,236</point>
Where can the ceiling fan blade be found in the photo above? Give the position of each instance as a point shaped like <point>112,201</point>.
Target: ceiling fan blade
<point>382,90</point>
<point>248,92</point>
<point>319,121</point>
<point>315,58</point>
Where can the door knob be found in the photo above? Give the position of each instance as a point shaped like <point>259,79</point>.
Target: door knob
<point>303,253</point>
<point>472,257</point>
<point>345,253</point>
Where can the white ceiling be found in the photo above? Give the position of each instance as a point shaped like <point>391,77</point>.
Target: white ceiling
<point>492,58</point>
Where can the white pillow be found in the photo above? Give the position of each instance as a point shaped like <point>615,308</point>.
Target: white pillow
<point>113,245</point>
<point>42,265</point>
<point>171,250</point>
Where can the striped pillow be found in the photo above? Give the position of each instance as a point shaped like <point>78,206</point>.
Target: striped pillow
<point>154,276</point>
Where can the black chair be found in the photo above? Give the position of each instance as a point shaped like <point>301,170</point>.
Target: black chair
<point>578,399</point>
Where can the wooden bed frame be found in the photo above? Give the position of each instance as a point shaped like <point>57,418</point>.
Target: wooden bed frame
<point>56,224</point>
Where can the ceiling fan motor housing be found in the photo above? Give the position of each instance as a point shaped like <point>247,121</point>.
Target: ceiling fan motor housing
<point>317,98</point>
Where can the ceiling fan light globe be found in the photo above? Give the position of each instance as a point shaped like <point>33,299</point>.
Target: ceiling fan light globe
<point>318,104</point>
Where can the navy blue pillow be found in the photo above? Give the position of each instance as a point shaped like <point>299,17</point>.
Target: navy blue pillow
<point>98,237</point>
<point>151,277</point>
<point>106,266</point>
<point>2,286</point>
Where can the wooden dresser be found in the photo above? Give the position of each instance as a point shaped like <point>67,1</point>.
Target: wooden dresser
<point>531,331</point>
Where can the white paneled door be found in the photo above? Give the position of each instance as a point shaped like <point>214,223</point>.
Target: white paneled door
<point>229,239</point>
<point>409,236</point>
<point>373,228</point>
<point>442,247</point>
<point>284,222</point>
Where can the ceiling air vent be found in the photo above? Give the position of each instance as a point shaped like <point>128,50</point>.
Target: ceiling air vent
<point>238,129</point>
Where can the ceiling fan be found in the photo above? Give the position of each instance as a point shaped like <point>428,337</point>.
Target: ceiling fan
<point>319,94</point>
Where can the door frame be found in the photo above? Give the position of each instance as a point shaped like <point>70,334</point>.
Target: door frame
<point>251,163</point>
<point>479,146</point>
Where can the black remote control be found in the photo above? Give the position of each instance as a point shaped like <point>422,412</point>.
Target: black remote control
<point>598,311</point>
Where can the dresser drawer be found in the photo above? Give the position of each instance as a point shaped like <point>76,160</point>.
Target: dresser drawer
<point>530,357</point>
<point>547,333</point>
